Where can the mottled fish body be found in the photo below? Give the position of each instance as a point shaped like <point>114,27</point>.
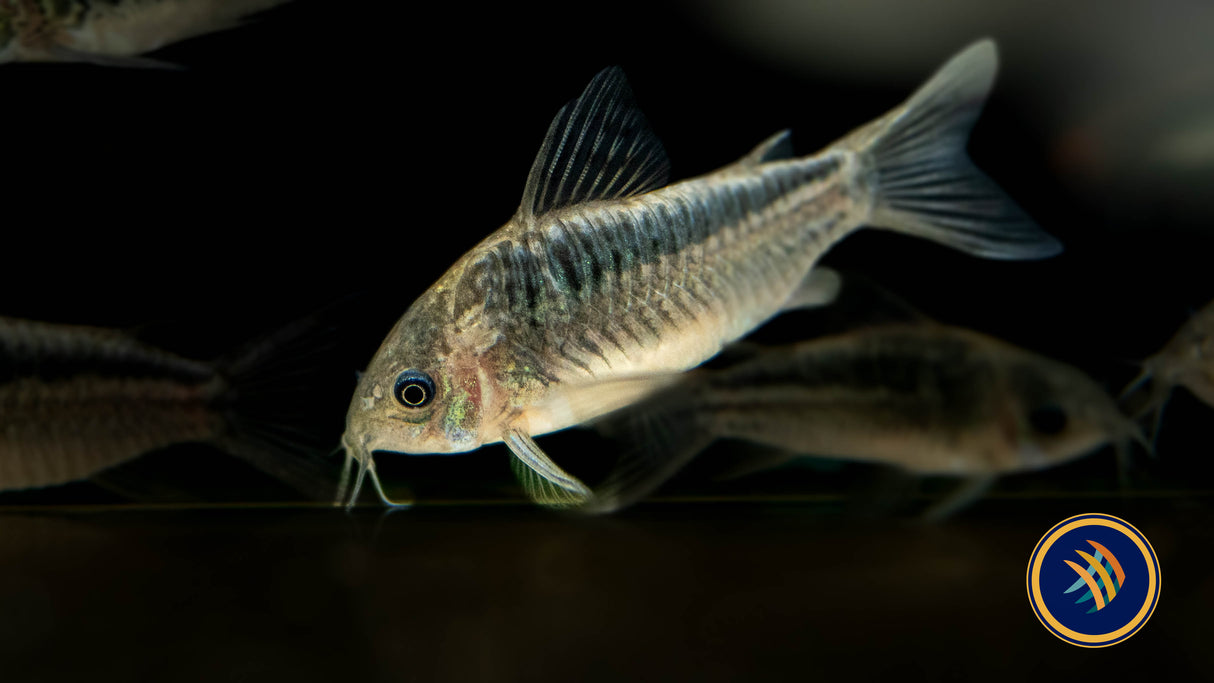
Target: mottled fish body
<point>607,283</point>
<point>111,32</point>
<point>77,400</point>
<point>926,398</point>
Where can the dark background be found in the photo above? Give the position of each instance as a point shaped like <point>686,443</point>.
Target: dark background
<point>340,156</point>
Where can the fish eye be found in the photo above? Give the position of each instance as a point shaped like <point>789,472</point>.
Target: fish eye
<point>1048,419</point>
<point>414,389</point>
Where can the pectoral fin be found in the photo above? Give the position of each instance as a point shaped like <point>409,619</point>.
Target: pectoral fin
<point>543,480</point>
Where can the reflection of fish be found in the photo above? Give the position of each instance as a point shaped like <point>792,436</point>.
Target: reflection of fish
<point>111,32</point>
<point>606,283</point>
<point>1186,360</point>
<point>77,400</point>
<point>927,398</point>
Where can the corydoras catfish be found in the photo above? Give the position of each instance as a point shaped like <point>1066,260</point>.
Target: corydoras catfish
<point>111,32</point>
<point>76,400</point>
<point>927,398</point>
<point>1186,360</point>
<point>608,282</point>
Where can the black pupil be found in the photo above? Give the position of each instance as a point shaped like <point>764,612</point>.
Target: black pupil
<point>414,389</point>
<point>413,394</point>
<point>1048,419</point>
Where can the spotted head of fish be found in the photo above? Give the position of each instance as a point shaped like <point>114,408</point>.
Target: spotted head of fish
<point>424,391</point>
<point>1056,413</point>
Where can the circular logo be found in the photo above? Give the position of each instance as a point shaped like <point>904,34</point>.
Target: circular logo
<point>1093,580</point>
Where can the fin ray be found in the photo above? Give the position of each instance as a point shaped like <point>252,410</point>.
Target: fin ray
<point>926,184</point>
<point>544,481</point>
<point>599,146</point>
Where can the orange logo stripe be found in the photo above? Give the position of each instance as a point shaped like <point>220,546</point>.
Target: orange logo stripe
<point>1091,582</point>
<point>1104,574</point>
<point>1112,560</point>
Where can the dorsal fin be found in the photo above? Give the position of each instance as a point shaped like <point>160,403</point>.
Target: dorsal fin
<point>599,146</point>
<point>774,148</point>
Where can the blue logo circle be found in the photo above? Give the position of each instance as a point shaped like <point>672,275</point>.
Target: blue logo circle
<point>1093,580</point>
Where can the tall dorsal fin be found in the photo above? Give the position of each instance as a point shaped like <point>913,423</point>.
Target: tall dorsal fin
<point>599,146</point>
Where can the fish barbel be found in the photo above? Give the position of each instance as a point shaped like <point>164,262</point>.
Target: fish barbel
<point>111,32</point>
<point>927,398</point>
<point>607,282</point>
<point>1187,360</point>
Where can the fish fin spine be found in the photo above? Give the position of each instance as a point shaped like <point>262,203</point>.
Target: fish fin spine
<point>598,147</point>
<point>543,480</point>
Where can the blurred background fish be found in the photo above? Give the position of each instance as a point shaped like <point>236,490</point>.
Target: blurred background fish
<point>926,398</point>
<point>76,401</point>
<point>1187,360</point>
<point>111,32</point>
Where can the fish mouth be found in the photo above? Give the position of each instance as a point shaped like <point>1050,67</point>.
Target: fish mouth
<point>358,449</point>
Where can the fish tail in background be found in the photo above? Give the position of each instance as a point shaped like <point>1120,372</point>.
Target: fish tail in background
<point>925,183</point>
<point>277,406</point>
<point>656,440</point>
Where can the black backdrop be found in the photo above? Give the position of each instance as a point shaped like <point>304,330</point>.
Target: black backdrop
<point>343,155</point>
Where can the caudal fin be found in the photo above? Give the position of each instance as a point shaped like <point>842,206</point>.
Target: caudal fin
<point>927,186</point>
<point>279,404</point>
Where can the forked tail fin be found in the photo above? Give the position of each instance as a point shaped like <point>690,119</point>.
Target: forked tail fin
<point>926,185</point>
<point>282,393</point>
